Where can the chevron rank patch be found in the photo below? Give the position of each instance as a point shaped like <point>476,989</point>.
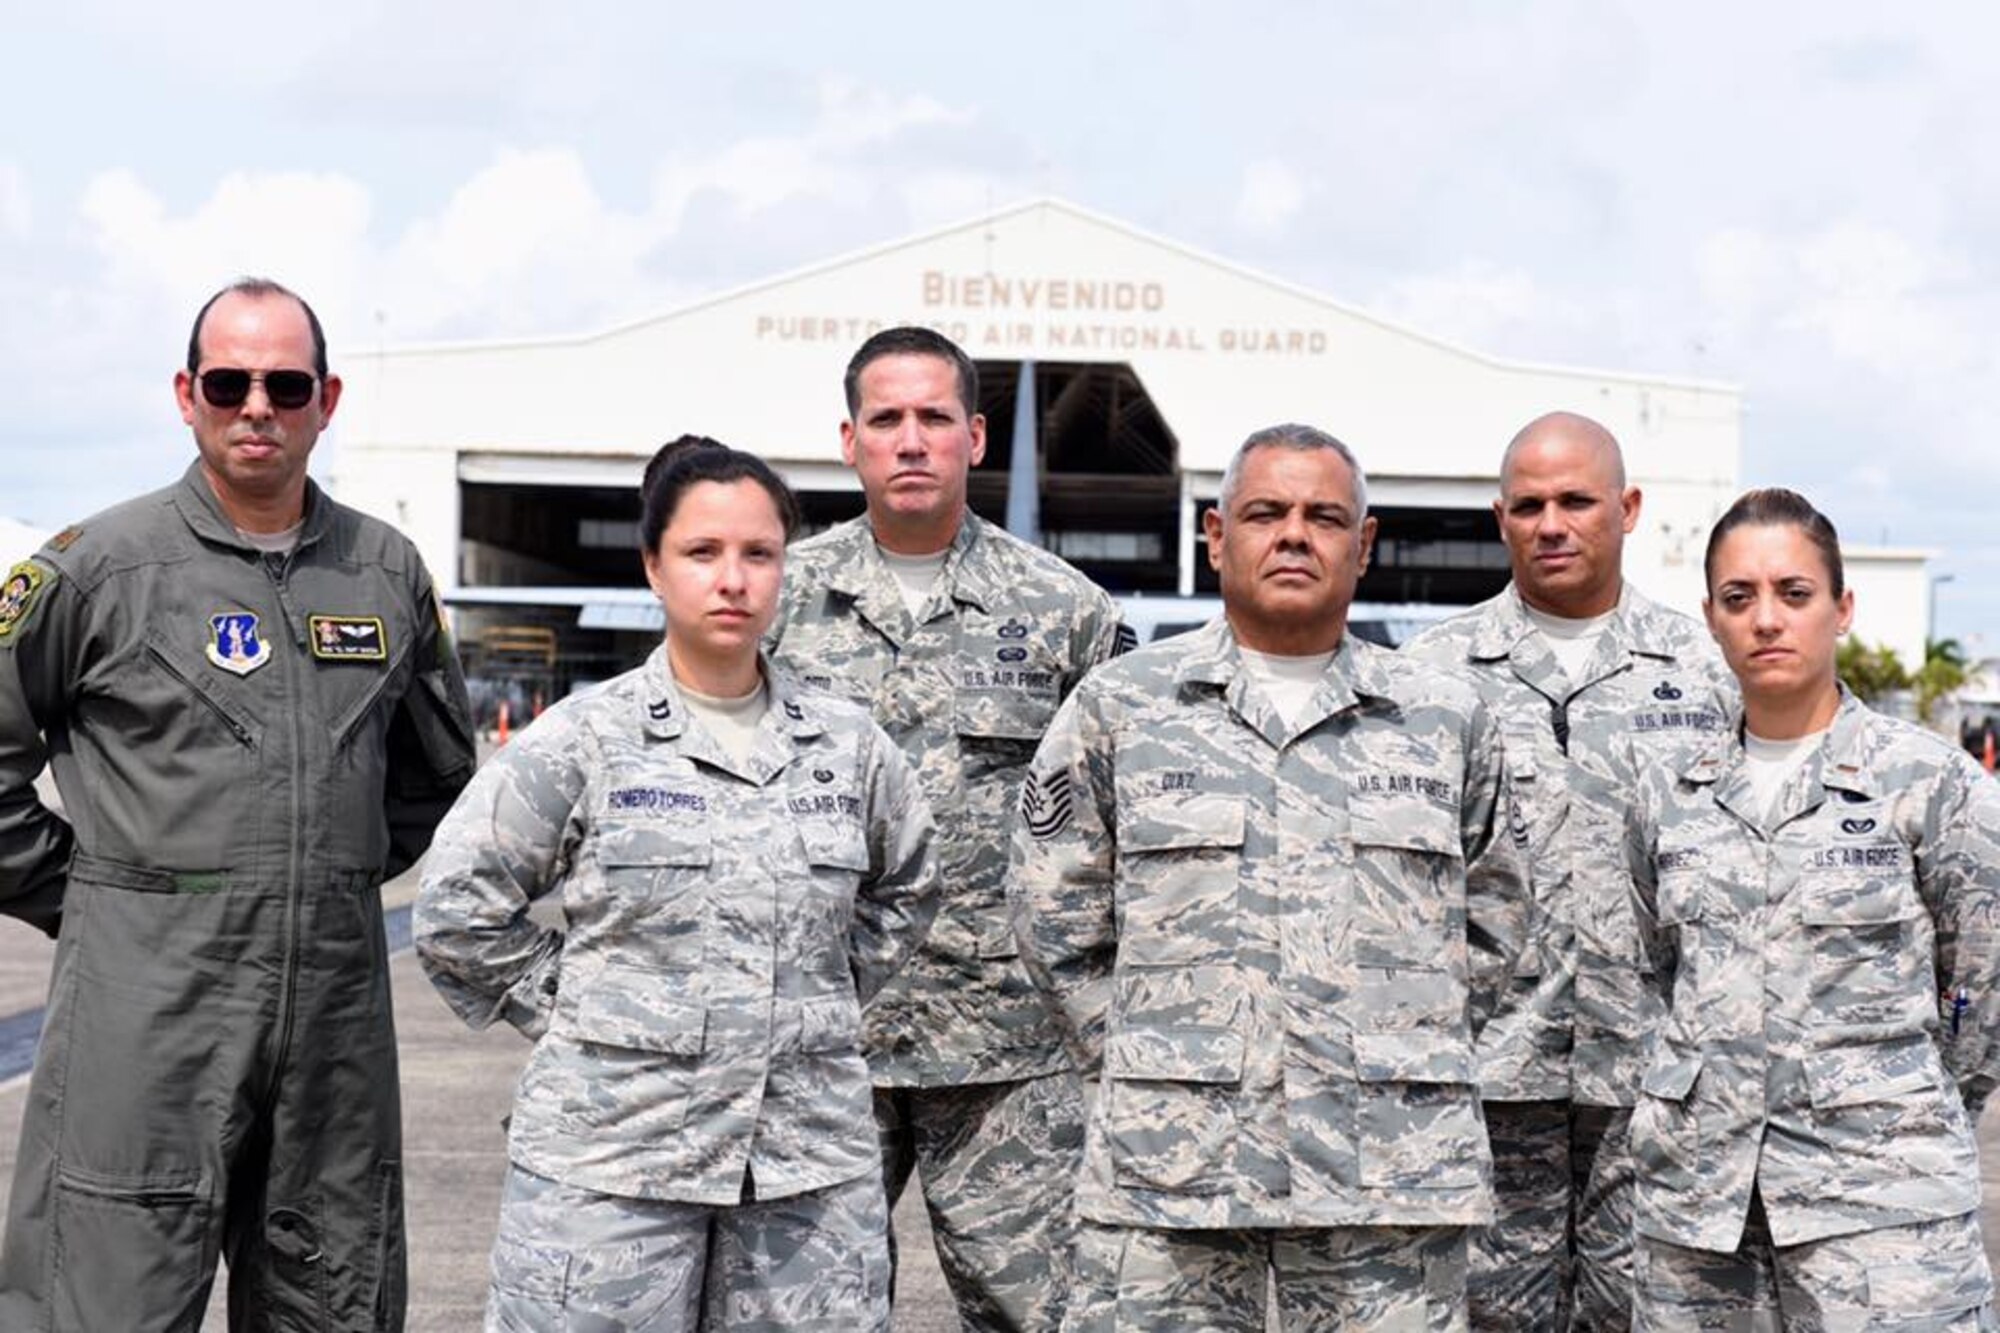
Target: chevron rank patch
<point>347,638</point>
<point>1045,803</point>
<point>24,583</point>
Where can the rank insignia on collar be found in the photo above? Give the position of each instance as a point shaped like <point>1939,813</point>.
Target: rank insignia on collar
<point>794,712</point>
<point>659,710</point>
<point>234,644</point>
<point>63,540</point>
<point>347,638</point>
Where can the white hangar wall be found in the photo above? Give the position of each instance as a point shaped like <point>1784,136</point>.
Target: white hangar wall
<point>1220,349</point>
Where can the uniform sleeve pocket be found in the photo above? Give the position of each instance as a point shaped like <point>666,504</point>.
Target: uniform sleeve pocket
<point>631,1008</point>
<point>1179,1054</point>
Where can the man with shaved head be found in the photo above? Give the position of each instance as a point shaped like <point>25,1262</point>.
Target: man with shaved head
<point>1574,661</point>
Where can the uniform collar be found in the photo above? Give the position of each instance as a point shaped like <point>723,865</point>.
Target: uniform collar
<point>1213,659</point>
<point>794,717</point>
<point>966,577</point>
<point>1841,763</point>
<point>1637,625</point>
<point>202,512</point>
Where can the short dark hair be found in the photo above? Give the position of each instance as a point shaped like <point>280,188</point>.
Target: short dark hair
<point>912,340</point>
<point>1776,507</point>
<point>258,288</point>
<point>684,462</point>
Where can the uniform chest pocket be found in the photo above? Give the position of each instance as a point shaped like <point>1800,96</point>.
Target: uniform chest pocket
<point>990,716</point>
<point>653,872</point>
<point>1179,862</point>
<point>1409,891</point>
<point>1859,925</point>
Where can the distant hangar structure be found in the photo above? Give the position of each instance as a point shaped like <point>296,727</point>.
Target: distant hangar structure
<point>1118,372</point>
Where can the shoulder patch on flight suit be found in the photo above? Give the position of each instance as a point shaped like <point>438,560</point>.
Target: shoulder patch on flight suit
<point>24,584</point>
<point>348,638</point>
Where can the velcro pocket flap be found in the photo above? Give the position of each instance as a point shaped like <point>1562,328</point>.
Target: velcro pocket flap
<point>1671,1076</point>
<point>645,842</point>
<point>1181,824</point>
<point>631,1009</point>
<point>1189,1053</point>
<point>1410,823</point>
<point>1412,1057</point>
<point>1857,899</point>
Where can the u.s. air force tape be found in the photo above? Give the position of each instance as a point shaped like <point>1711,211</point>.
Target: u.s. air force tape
<point>1045,803</point>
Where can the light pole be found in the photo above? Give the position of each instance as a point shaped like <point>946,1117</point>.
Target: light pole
<point>1931,634</point>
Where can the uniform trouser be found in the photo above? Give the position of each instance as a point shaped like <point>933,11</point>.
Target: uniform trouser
<point>1559,1252</point>
<point>1922,1277</point>
<point>194,1099</point>
<point>568,1259</point>
<point>1384,1279</point>
<point>998,1164</point>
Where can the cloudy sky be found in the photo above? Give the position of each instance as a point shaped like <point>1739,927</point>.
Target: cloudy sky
<point>1800,200</point>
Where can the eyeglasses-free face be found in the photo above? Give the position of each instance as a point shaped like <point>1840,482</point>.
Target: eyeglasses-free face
<point>288,390</point>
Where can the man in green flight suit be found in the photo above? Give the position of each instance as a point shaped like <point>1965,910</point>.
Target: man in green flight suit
<point>254,716</point>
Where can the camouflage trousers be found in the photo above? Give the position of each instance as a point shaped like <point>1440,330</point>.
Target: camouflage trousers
<point>569,1259</point>
<point>1925,1277</point>
<point>1385,1279</point>
<point>1559,1252</point>
<point>997,1163</point>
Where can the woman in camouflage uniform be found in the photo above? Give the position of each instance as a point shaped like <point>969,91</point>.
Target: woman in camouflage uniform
<point>739,867</point>
<point>1820,891</point>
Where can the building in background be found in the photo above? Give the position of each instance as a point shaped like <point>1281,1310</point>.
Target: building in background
<point>1118,373</point>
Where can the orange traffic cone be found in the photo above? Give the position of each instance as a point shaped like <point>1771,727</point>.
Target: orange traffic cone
<point>500,732</point>
<point>1986,756</point>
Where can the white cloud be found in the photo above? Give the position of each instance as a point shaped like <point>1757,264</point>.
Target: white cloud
<point>1272,195</point>
<point>1482,306</point>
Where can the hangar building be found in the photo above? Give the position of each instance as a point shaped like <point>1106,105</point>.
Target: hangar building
<point>1118,372</point>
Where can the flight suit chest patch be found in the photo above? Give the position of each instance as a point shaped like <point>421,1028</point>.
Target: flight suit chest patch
<point>235,642</point>
<point>347,638</point>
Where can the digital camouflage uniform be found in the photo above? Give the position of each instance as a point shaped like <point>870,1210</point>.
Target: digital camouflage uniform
<point>974,1088</point>
<point>1833,981</point>
<point>1274,938</point>
<point>246,746</point>
<point>697,1024</point>
<point>1560,1066</point>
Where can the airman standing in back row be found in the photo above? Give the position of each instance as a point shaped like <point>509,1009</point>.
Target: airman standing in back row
<point>962,640</point>
<point>1573,661</point>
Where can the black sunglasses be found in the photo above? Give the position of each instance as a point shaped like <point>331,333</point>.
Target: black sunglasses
<point>288,390</point>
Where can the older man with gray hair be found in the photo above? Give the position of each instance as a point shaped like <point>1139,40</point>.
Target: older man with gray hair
<point>1259,868</point>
